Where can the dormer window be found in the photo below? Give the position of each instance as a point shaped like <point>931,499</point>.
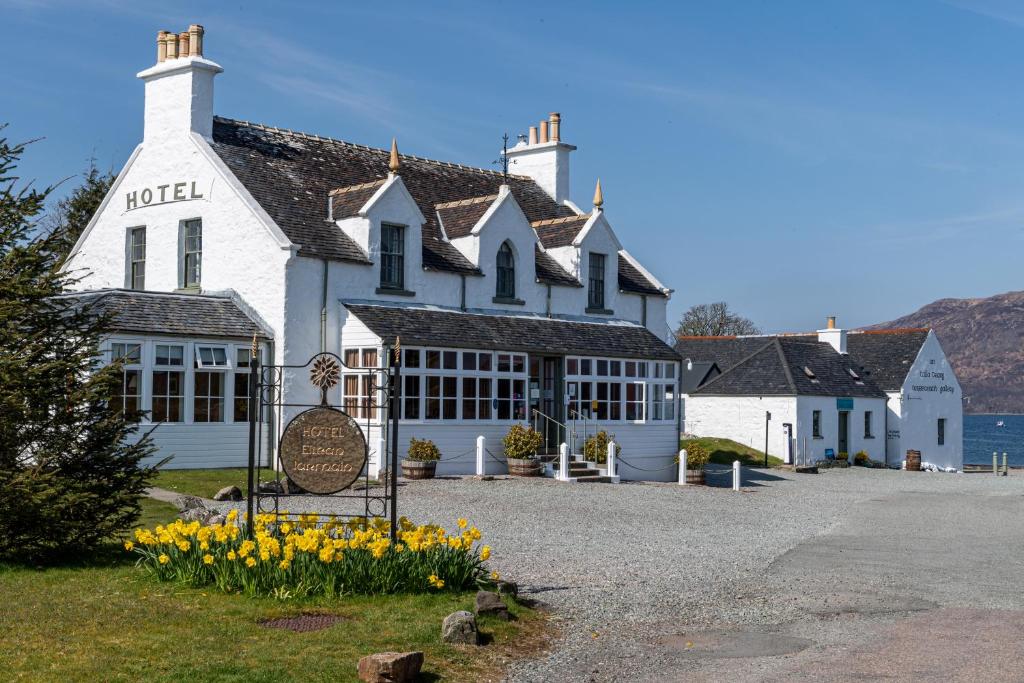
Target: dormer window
<point>595,288</point>
<point>506,271</point>
<point>392,256</point>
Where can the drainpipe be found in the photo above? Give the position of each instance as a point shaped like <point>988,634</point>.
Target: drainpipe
<point>462,292</point>
<point>643,310</point>
<point>548,302</point>
<point>323,313</point>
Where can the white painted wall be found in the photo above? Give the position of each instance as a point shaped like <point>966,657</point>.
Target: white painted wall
<point>741,419</point>
<point>931,391</point>
<point>810,449</point>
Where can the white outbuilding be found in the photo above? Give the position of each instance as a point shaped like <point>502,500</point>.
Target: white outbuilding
<point>512,303</point>
<point>883,392</point>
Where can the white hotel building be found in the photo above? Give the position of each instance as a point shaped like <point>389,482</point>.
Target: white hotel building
<point>508,298</point>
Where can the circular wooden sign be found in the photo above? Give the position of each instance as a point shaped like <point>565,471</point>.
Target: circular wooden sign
<point>323,450</point>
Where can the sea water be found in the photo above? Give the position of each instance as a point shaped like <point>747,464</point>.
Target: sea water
<point>982,438</point>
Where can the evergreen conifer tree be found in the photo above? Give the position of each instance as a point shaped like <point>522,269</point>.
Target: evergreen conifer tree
<point>69,458</point>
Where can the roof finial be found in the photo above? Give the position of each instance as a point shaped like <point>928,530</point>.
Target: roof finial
<point>598,195</point>
<point>393,163</point>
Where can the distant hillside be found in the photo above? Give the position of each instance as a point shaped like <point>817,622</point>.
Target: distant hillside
<point>984,340</point>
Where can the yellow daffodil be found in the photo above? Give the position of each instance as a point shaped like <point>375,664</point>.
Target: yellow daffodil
<point>207,559</point>
<point>250,562</point>
<point>128,545</point>
<point>485,553</point>
<point>231,555</point>
<point>163,559</point>
<point>462,522</point>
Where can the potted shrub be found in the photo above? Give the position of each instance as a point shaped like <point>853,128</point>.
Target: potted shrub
<point>862,458</point>
<point>595,448</point>
<point>843,456</point>
<point>521,444</point>
<point>421,462</point>
<point>697,457</point>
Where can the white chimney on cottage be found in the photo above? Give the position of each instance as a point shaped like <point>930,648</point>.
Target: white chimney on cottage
<point>544,157</point>
<point>833,335</point>
<point>179,87</point>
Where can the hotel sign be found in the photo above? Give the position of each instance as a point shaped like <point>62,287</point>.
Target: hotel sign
<point>323,450</point>
<point>183,191</point>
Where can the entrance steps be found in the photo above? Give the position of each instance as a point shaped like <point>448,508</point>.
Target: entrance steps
<point>581,472</point>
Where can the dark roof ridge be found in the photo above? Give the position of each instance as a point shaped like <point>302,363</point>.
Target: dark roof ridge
<point>740,363</point>
<point>893,330</point>
<point>324,138</point>
<point>785,365</point>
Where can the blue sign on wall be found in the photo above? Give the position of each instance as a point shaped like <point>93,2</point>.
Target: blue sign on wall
<point>844,404</point>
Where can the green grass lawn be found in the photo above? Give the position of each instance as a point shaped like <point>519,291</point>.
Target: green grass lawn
<point>724,452</point>
<point>102,619</point>
<point>203,483</point>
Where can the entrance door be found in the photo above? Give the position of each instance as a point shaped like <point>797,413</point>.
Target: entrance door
<point>546,397</point>
<point>844,432</point>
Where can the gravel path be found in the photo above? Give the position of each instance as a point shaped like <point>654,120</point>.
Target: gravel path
<point>658,581</point>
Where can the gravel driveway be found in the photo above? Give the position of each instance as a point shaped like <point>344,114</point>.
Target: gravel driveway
<point>782,581</point>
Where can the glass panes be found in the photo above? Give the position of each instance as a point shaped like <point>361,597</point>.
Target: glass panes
<point>137,258</point>
<point>168,396</point>
<point>129,354</point>
<point>484,399</point>
<point>484,362</point>
<point>451,360</point>
<point>211,357</point>
<point>369,358</point>
<point>412,358</point>
<point>469,360</point>
<point>411,398</point>
<point>572,366</point>
<point>169,355</point>
<point>469,398</point>
<point>351,358</point>
<point>241,400</point>
<point>433,360</point>
<point>208,405</point>
<point>506,271</point>
<point>392,256</point>
<point>192,233</point>
<point>595,291</point>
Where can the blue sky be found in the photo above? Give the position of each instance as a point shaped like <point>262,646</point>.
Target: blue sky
<point>796,159</point>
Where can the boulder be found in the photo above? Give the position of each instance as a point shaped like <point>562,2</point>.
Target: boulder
<point>184,503</point>
<point>489,602</point>
<point>218,518</point>
<point>460,627</point>
<point>390,667</point>
<point>272,486</point>
<point>201,515</point>
<point>229,493</point>
<point>508,588</point>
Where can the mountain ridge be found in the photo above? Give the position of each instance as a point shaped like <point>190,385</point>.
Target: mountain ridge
<point>983,337</point>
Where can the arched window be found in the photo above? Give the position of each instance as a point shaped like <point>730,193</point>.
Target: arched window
<point>506,262</point>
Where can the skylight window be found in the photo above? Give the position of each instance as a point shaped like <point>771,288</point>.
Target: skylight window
<point>810,374</point>
<point>856,378</point>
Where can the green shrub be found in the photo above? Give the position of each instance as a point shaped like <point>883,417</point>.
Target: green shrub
<point>861,458</point>
<point>521,442</point>
<point>423,450</point>
<point>696,456</point>
<point>595,448</point>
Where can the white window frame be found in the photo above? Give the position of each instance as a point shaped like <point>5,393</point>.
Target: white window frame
<point>200,364</point>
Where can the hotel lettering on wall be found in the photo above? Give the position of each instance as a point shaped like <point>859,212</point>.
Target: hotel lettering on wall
<point>323,450</point>
<point>184,191</point>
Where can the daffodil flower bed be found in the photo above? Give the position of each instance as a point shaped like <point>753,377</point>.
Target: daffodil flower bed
<point>309,556</point>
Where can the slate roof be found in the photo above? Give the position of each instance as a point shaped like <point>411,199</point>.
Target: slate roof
<point>559,231</point>
<point>532,334</point>
<point>884,355</point>
<point>346,201</point>
<point>703,371</point>
<point>458,218</point>
<point>170,313</point>
<point>632,280</point>
<point>290,174</point>
<point>776,368</point>
<point>550,272</point>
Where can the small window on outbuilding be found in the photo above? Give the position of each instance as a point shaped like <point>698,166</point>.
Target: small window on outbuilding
<point>505,287</point>
<point>816,424</point>
<point>942,431</point>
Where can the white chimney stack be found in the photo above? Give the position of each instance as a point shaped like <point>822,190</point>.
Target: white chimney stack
<point>545,158</point>
<point>179,87</point>
<point>833,335</point>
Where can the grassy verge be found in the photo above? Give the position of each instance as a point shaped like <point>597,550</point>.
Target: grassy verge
<point>103,619</point>
<point>203,483</point>
<point>724,452</point>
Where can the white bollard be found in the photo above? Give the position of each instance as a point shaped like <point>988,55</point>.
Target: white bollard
<point>735,475</point>
<point>480,443</point>
<point>563,462</point>
<point>611,458</point>
<point>682,467</point>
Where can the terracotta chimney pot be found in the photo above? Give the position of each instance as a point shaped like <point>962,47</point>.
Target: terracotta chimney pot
<point>171,41</point>
<point>183,44</point>
<point>556,124</point>
<point>195,40</point>
<point>161,46</point>
<point>831,322</point>
<point>543,131</point>
<point>533,135</point>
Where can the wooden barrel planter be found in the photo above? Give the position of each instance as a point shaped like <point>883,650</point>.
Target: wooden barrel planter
<point>695,477</point>
<point>913,461</point>
<point>523,467</point>
<point>419,469</point>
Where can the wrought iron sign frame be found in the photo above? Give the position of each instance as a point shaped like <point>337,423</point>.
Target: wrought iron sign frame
<point>325,370</point>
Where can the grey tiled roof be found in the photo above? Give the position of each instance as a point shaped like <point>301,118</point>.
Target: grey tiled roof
<point>166,313</point>
<point>559,231</point>
<point>458,218</point>
<point>632,280</point>
<point>775,366</point>
<point>550,272</point>
<point>886,355</point>
<point>703,371</point>
<point>346,201</point>
<point>291,174</point>
<point>533,334</point>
